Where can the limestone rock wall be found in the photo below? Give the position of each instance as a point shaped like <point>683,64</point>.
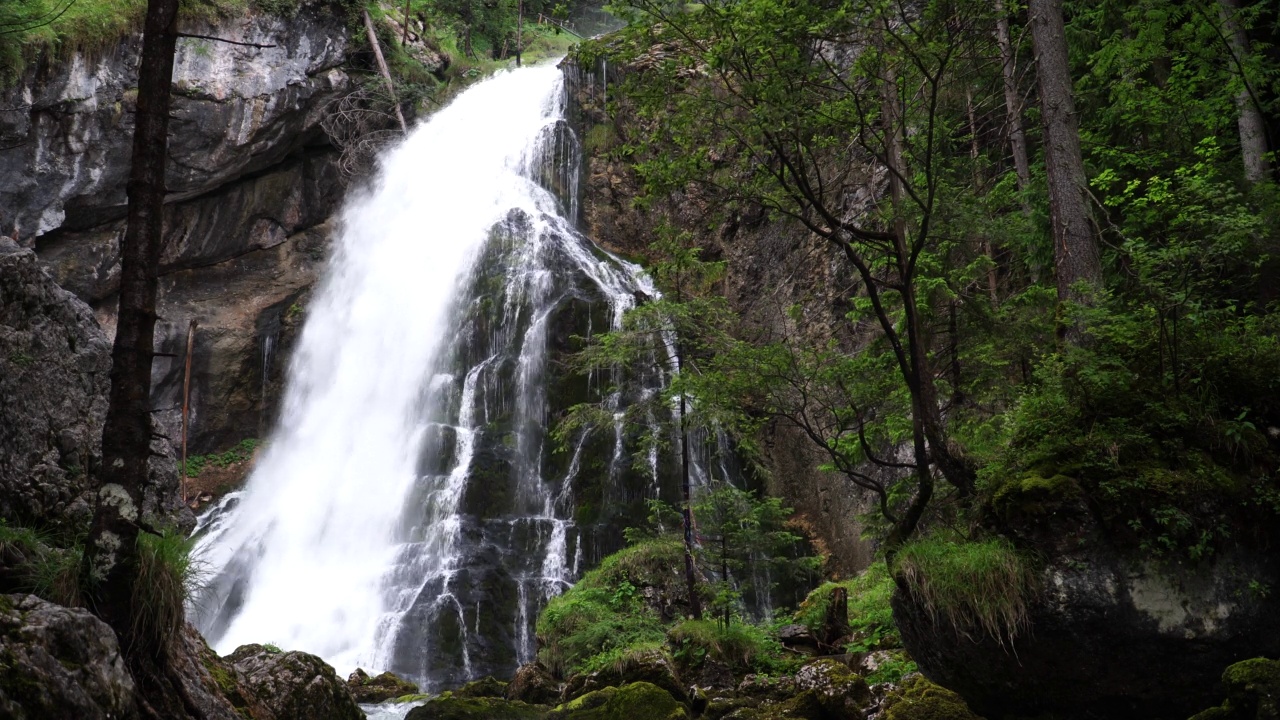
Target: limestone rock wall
<point>252,181</point>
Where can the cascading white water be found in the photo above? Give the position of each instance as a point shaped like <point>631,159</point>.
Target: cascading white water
<point>315,530</point>
<point>407,513</point>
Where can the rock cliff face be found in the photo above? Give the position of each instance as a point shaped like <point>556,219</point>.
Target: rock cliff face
<point>252,182</point>
<point>54,361</point>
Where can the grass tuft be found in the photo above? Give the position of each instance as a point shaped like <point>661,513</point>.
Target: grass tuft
<point>167,574</point>
<point>979,588</point>
<point>741,646</point>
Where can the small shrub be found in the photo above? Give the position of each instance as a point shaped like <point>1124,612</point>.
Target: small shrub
<point>606,613</point>
<point>741,646</point>
<point>976,587</point>
<point>870,616</point>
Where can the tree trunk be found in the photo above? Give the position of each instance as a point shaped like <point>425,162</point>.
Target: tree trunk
<point>1013,105</point>
<point>382,67</point>
<point>1075,250</point>
<point>111,556</point>
<point>126,438</point>
<point>1253,129</point>
<point>686,511</point>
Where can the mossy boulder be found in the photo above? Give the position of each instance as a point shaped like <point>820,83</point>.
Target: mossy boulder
<point>636,701</point>
<point>485,687</point>
<point>295,684</point>
<point>58,662</point>
<point>379,688</point>
<point>449,706</point>
<point>840,692</point>
<point>652,666</point>
<point>919,699</point>
<point>1253,692</point>
<point>534,684</point>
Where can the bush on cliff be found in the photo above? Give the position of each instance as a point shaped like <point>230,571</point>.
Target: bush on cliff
<point>607,610</point>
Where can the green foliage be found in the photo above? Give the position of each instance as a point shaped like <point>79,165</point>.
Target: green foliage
<point>241,452</point>
<point>44,564</point>
<point>870,616</point>
<point>976,588</point>
<point>604,615</point>
<point>741,646</point>
<point>272,648</point>
<point>167,574</point>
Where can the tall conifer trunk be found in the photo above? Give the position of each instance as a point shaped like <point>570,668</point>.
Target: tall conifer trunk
<point>1075,249</point>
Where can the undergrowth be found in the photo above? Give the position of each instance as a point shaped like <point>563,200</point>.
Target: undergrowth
<point>605,613</point>
<point>977,588</point>
<point>241,452</point>
<point>741,646</point>
<point>43,564</point>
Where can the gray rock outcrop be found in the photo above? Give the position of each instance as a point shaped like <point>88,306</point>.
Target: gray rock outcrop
<point>294,684</point>
<point>54,365</point>
<point>1112,632</point>
<point>58,662</point>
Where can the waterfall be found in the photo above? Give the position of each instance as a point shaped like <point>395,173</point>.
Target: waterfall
<point>409,511</point>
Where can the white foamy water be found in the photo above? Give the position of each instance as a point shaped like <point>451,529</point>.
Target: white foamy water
<point>305,550</point>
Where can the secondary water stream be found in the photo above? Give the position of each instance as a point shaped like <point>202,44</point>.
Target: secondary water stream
<point>409,512</point>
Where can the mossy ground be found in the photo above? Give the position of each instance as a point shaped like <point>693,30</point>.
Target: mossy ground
<point>636,701</point>
<point>919,699</point>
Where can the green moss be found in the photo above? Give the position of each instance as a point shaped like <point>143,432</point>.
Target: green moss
<point>975,587</point>
<point>451,707</point>
<point>1253,688</point>
<point>484,687</point>
<point>637,701</point>
<point>413,697</point>
<point>1034,495</point>
<point>919,699</point>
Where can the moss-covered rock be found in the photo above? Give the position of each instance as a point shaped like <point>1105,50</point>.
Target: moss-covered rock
<point>534,684</point>
<point>449,706</point>
<point>379,688</point>
<point>58,662</point>
<point>637,701</point>
<point>1253,692</point>
<point>919,699</point>
<point>840,692</point>
<point>486,687</point>
<point>651,665</point>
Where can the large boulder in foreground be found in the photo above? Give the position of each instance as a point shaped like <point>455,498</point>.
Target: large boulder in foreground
<point>1110,632</point>
<point>1253,692</point>
<point>58,662</point>
<point>294,684</point>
